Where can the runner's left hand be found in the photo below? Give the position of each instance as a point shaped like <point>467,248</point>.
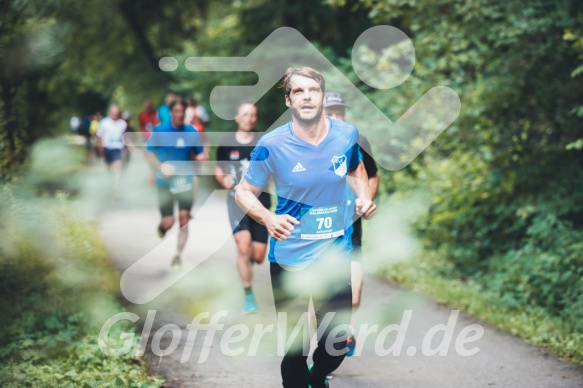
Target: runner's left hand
<point>202,157</point>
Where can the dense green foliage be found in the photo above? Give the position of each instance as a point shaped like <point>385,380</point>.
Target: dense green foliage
<point>64,58</point>
<point>57,290</point>
<point>506,179</point>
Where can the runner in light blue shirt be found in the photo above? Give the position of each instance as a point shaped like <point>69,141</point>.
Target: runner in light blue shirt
<point>171,142</point>
<point>309,160</point>
<point>310,182</point>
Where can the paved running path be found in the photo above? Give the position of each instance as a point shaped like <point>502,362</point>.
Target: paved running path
<point>128,229</point>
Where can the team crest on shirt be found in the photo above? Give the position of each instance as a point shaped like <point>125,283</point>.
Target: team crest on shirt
<point>339,164</point>
<point>180,142</point>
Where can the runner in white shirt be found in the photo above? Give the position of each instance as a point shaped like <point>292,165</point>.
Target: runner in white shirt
<point>109,137</point>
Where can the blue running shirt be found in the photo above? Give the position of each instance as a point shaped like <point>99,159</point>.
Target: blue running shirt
<point>310,184</point>
<point>173,144</point>
<point>164,114</point>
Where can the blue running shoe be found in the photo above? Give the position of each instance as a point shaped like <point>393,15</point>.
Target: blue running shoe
<point>351,345</point>
<point>250,305</point>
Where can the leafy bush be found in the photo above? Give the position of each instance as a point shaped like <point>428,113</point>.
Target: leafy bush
<point>57,292</point>
<point>506,180</point>
<point>547,271</point>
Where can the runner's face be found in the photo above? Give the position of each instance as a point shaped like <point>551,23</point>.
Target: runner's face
<point>246,117</point>
<point>177,113</point>
<point>337,113</point>
<point>305,99</point>
<point>169,98</point>
<point>114,112</point>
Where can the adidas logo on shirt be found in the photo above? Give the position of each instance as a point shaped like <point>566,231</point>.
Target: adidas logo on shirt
<point>298,168</point>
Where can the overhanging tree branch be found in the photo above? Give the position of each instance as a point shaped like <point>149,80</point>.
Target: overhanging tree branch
<point>130,14</point>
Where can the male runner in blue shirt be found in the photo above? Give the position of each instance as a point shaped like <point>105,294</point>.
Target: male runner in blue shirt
<point>309,160</point>
<point>174,141</point>
<point>334,107</point>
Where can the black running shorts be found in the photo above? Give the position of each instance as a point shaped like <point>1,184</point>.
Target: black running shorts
<point>166,200</point>
<point>356,254</point>
<point>241,221</point>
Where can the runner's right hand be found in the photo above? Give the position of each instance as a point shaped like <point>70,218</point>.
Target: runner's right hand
<point>280,226</point>
<point>228,182</point>
<point>167,169</point>
<point>365,208</point>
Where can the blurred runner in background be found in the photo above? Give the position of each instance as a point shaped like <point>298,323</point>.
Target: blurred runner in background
<point>110,144</point>
<point>233,155</point>
<point>334,107</point>
<point>75,124</point>
<point>193,117</point>
<point>94,121</point>
<point>164,109</point>
<point>128,147</point>
<point>147,120</point>
<point>169,142</point>
<point>202,114</point>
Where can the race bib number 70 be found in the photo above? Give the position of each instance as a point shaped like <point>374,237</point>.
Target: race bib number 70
<point>323,222</point>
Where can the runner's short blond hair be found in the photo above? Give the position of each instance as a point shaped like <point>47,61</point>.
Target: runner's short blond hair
<point>307,72</point>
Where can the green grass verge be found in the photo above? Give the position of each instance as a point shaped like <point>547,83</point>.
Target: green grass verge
<point>534,324</point>
<point>57,291</point>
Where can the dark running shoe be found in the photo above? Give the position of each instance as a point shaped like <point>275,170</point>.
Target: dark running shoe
<point>329,376</point>
<point>161,232</point>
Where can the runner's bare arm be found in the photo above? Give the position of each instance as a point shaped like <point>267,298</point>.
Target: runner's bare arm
<point>99,145</point>
<point>205,142</point>
<point>373,184</point>
<point>201,156</point>
<point>358,181</point>
<point>155,163</point>
<point>278,226</point>
<point>225,180</point>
